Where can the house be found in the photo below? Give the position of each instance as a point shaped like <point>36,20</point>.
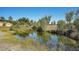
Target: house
<point>8,24</point>
<point>50,27</point>
<point>1,24</point>
<point>4,23</point>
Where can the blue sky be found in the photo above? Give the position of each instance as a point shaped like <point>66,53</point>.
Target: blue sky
<point>35,13</point>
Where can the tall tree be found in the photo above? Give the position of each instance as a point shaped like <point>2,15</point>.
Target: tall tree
<point>2,18</point>
<point>76,21</point>
<point>43,22</point>
<point>77,13</point>
<point>23,20</point>
<point>10,19</point>
<point>69,18</point>
<point>53,23</point>
<point>61,24</point>
<point>47,18</point>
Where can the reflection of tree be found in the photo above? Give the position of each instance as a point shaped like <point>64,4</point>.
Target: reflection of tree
<point>45,36</point>
<point>64,41</point>
<point>60,45</point>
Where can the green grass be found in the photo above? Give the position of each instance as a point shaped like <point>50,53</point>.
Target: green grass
<point>67,41</point>
<point>9,38</point>
<point>12,43</point>
<point>33,45</point>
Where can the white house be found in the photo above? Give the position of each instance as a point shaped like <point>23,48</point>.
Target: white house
<point>1,24</point>
<point>8,24</point>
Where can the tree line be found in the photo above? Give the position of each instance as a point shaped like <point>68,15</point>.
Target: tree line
<point>71,18</point>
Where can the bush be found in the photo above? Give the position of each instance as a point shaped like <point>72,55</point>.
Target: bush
<point>39,29</point>
<point>22,30</point>
<point>34,28</point>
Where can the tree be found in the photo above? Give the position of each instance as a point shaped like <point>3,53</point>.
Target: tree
<point>10,19</point>
<point>53,23</point>
<point>23,20</point>
<point>43,22</point>
<point>61,24</point>
<point>76,21</point>
<point>48,18</point>
<point>2,18</point>
<point>77,13</point>
<point>69,18</point>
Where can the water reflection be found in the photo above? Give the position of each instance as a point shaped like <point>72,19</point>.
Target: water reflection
<point>53,42</point>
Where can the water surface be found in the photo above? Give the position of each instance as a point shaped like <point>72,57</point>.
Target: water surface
<point>53,42</point>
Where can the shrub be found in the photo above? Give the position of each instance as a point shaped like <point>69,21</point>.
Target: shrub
<point>39,29</point>
<point>22,30</point>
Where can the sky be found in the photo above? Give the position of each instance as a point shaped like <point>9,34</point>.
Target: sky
<point>35,13</point>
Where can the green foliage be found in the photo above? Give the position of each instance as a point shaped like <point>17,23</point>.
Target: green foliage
<point>9,38</point>
<point>2,18</point>
<point>39,29</point>
<point>31,44</point>
<point>76,21</point>
<point>43,22</point>
<point>22,30</point>
<point>67,41</point>
<point>10,19</point>
<point>69,16</point>
<point>34,28</point>
<point>61,24</point>
<point>53,23</point>
<point>23,20</point>
<point>45,36</point>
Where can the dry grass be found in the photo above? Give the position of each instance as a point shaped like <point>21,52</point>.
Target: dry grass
<point>8,42</point>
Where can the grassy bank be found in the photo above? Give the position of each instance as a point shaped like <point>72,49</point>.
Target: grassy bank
<point>8,42</point>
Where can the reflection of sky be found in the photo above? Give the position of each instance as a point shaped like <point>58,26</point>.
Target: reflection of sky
<point>35,13</point>
<point>35,36</point>
<point>54,39</point>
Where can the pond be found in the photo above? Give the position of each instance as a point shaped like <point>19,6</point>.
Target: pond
<point>53,42</point>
